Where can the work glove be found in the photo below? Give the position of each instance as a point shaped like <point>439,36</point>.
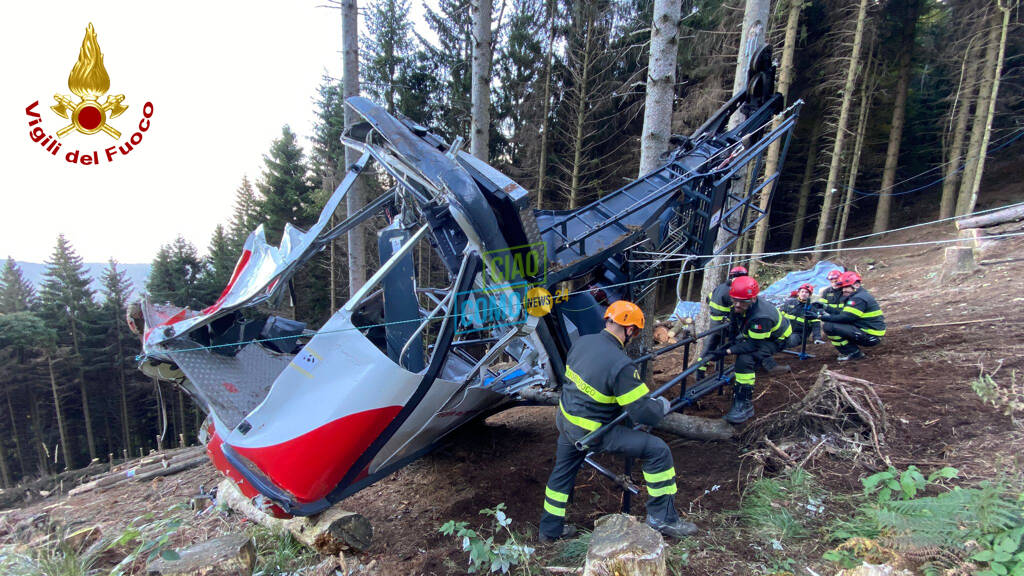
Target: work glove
<point>666,406</point>
<point>717,352</point>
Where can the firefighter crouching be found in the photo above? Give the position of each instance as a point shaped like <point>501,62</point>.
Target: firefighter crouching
<point>832,295</point>
<point>602,381</point>
<point>802,314</point>
<point>760,331</point>
<point>719,306</point>
<point>858,322</point>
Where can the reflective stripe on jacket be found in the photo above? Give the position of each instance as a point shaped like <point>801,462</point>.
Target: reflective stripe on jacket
<point>761,326</point>
<point>601,381</point>
<point>862,310</point>
<point>719,302</point>
<point>797,313</point>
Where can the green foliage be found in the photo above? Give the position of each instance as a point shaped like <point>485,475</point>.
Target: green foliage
<point>286,193</point>
<point>219,265</point>
<point>279,553</point>
<point>778,508</point>
<point>1009,398</point>
<point>25,329</point>
<point>174,276</point>
<point>149,536</point>
<point>485,553</point>
<point>56,556</point>
<point>845,558</point>
<point>905,485</point>
<point>16,293</point>
<point>575,551</point>
<point>246,216</point>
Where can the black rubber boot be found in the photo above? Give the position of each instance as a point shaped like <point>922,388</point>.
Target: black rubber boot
<point>773,367</point>
<point>568,531</point>
<point>678,529</point>
<point>742,408</point>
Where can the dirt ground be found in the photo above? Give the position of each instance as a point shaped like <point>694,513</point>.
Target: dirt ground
<point>940,336</point>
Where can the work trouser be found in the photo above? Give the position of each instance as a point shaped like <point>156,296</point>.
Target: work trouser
<point>659,474</point>
<point>847,337</point>
<point>747,363</point>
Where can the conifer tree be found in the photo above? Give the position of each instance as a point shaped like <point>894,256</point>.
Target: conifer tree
<point>117,290</point>
<point>175,274</point>
<point>16,293</point>
<point>452,23</point>
<point>385,49</point>
<point>246,215</point>
<point>67,304</point>
<point>286,194</point>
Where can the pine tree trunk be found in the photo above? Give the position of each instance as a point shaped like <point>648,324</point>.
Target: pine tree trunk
<point>956,149</point>
<point>899,116</point>
<point>181,414</point>
<point>752,37</point>
<point>772,161</point>
<point>963,201</point>
<point>5,474</point>
<point>661,80</point>
<point>40,441</point>
<point>862,128</point>
<point>354,199</point>
<point>542,164</point>
<point>119,360</point>
<point>84,392</point>
<point>581,117</point>
<point>14,435</point>
<point>805,188</point>
<point>480,112</point>
<point>60,416</point>
<point>1004,7</point>
<point>825,222</point>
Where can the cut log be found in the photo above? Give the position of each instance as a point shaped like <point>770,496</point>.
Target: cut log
<point>172,469</point>
<point>959,260</point>
<point>696,427</point>
<point>329,532</point>
<point>621,545</point>
<point>1012,214</point>
<point>231,555</point>
<point>685,425</point>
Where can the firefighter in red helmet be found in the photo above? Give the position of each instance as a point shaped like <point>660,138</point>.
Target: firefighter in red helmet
<point>858,322</point>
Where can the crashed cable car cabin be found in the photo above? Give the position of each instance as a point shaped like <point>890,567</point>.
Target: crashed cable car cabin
<point>307,416</point>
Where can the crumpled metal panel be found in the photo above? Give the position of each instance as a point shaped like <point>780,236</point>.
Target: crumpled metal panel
<point>232,385</point>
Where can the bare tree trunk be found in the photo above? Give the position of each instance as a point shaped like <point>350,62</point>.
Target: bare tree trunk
<point>542,163</point>
<point>899,116</point>
<point>5,474</point>
<point>972,59</point>
<point>661,80</point>
<point>858,147</point>
<point>354,199</point>
<point>480,112</point>
<point>772,161</point>
<point>119,360</point>
<point>824,223</point>
<point>60,415</point>
<point>86,413</point>
<point>972,198</point>
<point>14,435</point>
<point>581,118</point>
<point>35,422</point>
<point>755,22</point>
<point>805,187</point>
<point>978,122</point>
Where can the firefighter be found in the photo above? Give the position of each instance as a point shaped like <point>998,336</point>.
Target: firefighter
<point>832,295</point>
<point>802,316</point>
<point>719,306</point>
<point>760,331</point>
<point>859,321</point>
<point>601,382</point>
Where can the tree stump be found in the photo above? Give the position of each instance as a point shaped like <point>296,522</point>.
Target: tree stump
<point>231,555</point>
<point>329,532</point>
<point>621,546</point>
<point>959,260</point>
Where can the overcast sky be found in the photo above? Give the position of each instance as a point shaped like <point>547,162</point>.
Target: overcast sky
<point>223,77</point>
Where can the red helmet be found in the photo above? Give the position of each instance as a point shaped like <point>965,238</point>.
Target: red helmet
<point>744,288</point>
<point>808,287</point>
<point>793,294</point>
<point>835,274</point>
<point>738,271</point>
<point>848,279</point>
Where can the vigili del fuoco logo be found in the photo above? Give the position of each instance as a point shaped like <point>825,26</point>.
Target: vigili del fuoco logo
<point>88,82</point>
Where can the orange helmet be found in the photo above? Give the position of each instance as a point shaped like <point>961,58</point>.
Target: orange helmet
<point>625,313</point>
<point>744,288</point>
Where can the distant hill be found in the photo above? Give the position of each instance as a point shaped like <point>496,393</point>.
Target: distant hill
<point>139,273</point>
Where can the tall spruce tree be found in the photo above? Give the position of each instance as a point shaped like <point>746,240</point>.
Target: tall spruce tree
<point>218,265</point>
<point>285,190</point>
<point>452,23</point>
<point>16,293</point>
<point>384,48</point>
<point>117,290</point>
<point>67,304</point>
<point>518,105</point>
<point>246,216</point>
<point>174,275</point>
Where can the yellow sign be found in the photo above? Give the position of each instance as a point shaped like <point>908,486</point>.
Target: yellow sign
<point>538,301</point>
<point>89,81</point>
